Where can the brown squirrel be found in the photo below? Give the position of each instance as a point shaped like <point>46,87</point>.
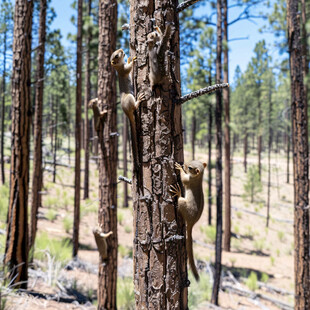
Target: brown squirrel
<point>157,44</point>
<point>98,115</point>
<point>128,101</point>
<point>191,206</point>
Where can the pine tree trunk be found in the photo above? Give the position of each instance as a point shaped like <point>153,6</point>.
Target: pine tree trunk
<point>269,155</point>
<point>55,144</point>
<point>69,123</point>
<point>107,215</point>
<point>87,97</point>
<point>3,107</point>
<point>125,138</point>
<point>219,182</point>
<point>16,251</point>
<point>245,150</point>
<point>300,159</point>
<point>193,140</point>
<point>259,139</point>
<point>78,123</point>
<point>37,153</point>
<point>160,273</point>
<point>210,165</point>
<point>226,100</point>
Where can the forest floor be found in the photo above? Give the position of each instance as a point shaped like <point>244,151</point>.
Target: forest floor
<point>259,267</point>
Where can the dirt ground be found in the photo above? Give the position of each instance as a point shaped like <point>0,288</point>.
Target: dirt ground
<point>266,251</point>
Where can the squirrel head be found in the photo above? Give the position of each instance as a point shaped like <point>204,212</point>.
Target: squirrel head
<point>117,58</point>
<point>195,168</point>
<point>153,38</point>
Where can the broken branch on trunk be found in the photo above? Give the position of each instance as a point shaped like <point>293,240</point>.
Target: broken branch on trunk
<point>121,178</point>
<point>203,91</point>
<point>182,6</point>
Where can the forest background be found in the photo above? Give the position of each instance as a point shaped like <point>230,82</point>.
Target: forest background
<point>260,99</point>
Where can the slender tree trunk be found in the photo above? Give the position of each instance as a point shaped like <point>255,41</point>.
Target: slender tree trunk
<point>3,107</point>
<point>78,123</point>
<point>16,250</point>
<point>86,100</point>
<point>69,123</point>
<point>193,140</point>
<point>259,139</point>
<point>125,138</point>
<point>219,182</point>
<point>185,131</point>
<point>210,165</point>
<point>37,154</point>
<point>245,151</point>
<point>288,150</point>
<point>226,100</point>
<point>300,159</point>
<point>107,215</point>
<point>269,155</point>
<point>160,273</point>
<point>55,144</point>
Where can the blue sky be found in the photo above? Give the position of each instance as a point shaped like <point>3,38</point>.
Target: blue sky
<point>240,52</point>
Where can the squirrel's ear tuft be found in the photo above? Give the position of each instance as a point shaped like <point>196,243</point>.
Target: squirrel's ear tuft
<point>204,165</point>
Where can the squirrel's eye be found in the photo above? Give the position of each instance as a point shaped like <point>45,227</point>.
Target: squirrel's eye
<point>190,168</point>
<point>116,56</point>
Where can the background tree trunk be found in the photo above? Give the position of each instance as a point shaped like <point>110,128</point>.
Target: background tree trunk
<point>3,106</point>
<point>245,150</point>
<point>226,100</point>
<point>193,140</point>
<point>16,251</point>
<point>78,123</point>
<point>37,153</point>
<point>269,155</point>
<point>160,273</point>
<point>300,159</point>
<point>219,181</point>
<point>55,143</point>
<point>210,164</point>
<point>125,138</point>
<point>259,139</point>
<point>107,215</point>
<point>87,97</point>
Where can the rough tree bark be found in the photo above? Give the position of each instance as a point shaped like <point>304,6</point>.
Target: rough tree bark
<point>107,215</point>
<point>300,159</point>
<point>219,182</point>
<point>16,250</point>
<point>245,150</point>
<point>37,153</point>
<point>226,100</point>
<point>78,123</point>
<point>160,273</point>
<point>86,100</point>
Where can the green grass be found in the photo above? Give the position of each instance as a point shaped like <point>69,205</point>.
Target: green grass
<point>251,281</point>
<point>128,229</point>
<point>125,294</point>
<point>51,215</point>
<point>210,234</point>
<point>199,292</point>
<point>67,224</point>
<point>120,217</point>
<point>60,249</point>
<point>4,201</point>
<point>265,277</point>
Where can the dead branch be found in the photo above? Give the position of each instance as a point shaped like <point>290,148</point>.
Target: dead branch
<point>182,6</point>
<point>273,289</point>
<point>247,293</point>
<point>203,91</point>
<point>121,178</point>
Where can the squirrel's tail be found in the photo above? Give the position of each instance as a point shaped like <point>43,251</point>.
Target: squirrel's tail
<point>190,255</point>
